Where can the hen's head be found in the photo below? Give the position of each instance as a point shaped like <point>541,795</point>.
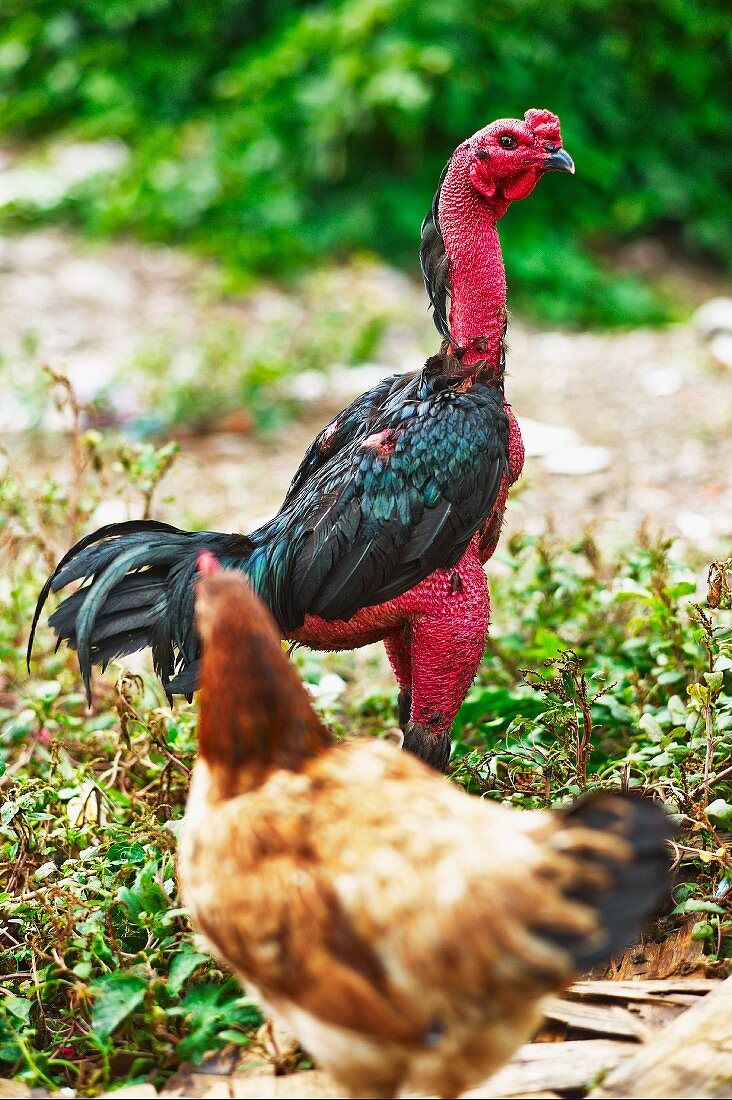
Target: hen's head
<point>506,159</point>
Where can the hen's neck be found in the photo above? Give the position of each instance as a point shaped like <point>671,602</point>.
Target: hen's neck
<point>477,274</point>
<point>255,715</point>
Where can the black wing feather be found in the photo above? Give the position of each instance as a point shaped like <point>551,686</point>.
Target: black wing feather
<point>374,523</point>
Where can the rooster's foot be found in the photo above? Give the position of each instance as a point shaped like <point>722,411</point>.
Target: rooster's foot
<point>433,748</point>
<point>404,708</point>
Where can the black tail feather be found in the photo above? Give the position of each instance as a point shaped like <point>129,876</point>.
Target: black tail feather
<point>137,591</point>
<point>636,874</point>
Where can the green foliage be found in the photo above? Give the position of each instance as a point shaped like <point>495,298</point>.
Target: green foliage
<point>270,134</point>
<point>608,670</point>
<point>102,978</point>
<point>628,682</point>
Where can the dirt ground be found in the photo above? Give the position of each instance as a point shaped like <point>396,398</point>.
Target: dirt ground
<point>620,427</point>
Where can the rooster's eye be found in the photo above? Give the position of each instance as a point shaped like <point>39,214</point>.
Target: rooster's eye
<point>507,141</point>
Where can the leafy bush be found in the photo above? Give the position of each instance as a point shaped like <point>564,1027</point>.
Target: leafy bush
<point>601,671</point>
<point>102,978</point>
<point>103,982</point>
<point>272,133</point>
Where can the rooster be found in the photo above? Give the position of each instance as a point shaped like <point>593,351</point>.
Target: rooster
<point>404,931</point>
<point>396,505</point>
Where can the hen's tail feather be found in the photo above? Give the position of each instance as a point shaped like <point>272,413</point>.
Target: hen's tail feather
<point>140,593</point>
<point>619,869</point>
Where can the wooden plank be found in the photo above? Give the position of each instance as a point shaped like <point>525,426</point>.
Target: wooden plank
<point>538,1069</point>
<point>687,990</point>
<point>306,1083</point>
<point>247,1086</point>
<point>204,1086</point>
<point>675,956</point>
<point>691,1058</point>
<point>132,1092</point>
<point>611,1021</point>
<point>13,1090</point>
<point>553,1067</point>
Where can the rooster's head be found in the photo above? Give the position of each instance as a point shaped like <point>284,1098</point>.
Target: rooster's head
<point>507,157</point>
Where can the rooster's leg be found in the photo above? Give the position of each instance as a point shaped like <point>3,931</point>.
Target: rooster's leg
<point>447,642</point>
<point>399,651</point>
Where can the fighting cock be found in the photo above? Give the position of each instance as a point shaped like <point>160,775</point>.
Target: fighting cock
<point>403,930</point>
<point>396,505</point>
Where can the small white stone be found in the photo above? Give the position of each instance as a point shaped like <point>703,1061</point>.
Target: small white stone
<point>30,187</point>
<point>309,385</point>
<point>714,316</point>
<point>331,686</point>
<point>545,439</point>
<point>720,349</point>
<point>81,159</point>
<point>96,282</point>
<point>348,382</point>
<point>695,525</point>
<point>110,511</point>
<point>581,459</point>
<point>661,382</point>
<point>13,416</point>
<point>89,373</point>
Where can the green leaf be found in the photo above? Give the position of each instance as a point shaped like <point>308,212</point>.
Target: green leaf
<point>694,905</point>
<point>650,725</point>
<point>720,812</point>
<point>149,892</point>
<point>699,692</point>
<point>116,996</point>
<point>231,1035</point>
<point>17,1007</point>
<point>126,896</point>
<point>47,691</point>
<point>8,811</point>
<point>182,967</point>
<point>122,853</point>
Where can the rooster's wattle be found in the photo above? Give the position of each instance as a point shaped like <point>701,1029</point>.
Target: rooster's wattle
<point>396,504</point>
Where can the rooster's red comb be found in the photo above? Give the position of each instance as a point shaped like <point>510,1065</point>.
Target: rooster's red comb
<point>207,563</point>
<point>543,123</point>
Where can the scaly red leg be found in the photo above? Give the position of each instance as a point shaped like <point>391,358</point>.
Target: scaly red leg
<point>449,621</point>
<point>398,648</point>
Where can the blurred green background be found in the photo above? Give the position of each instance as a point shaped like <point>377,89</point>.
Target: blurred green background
<point>270,133</point>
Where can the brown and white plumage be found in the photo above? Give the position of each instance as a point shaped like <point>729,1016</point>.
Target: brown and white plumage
<point>403,930</point>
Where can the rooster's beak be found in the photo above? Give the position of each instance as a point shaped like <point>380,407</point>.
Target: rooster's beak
<point>560,162</point>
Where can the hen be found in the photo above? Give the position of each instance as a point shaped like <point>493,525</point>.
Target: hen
<point>395,506</point>
<point>404,931</point>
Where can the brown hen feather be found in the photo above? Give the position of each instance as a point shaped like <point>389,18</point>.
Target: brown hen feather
<point>403,930</point>
<point>257,715</point>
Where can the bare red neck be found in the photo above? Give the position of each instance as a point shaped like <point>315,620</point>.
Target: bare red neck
<point>477,276</point>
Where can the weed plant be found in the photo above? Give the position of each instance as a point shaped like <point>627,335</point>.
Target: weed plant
<point>601,671</point>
